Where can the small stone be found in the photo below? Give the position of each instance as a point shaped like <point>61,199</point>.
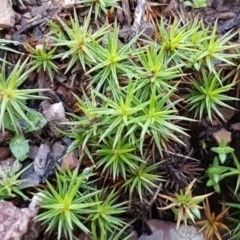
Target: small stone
<point>186,232</point>
<point>31,178</point>
<point>83,236</point>
<point>58,149</point>
<point>129,233</point>
<point>68,3</point>
<point>17,223</point>
<point>158,235</point>
<point>55,115</point>
<point>70,161</point>
<point>55,112</point>
<point>222,134</point>
<point>236,126</point>
<point>7,15</point>
<point>162,230</point>
<point>41,159</point>
<point>35,203</point>
<point>133,235</point>
<point>4,152</point>
<point>153,225</point>
<point>45,105</point>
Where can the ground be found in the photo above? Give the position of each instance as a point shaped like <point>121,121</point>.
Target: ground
<point>194,153</point>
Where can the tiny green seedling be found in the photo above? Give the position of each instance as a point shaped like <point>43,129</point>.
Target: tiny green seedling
<point>214,173</point>
<point>104,218</point>
<point>78,39</point>
<point>222,150</point>
<point>63,206</point>
<point>10,182</point>
<point>207,94</point>
<point>142,179</point>
<point>13,98</point>
<point>195,3</point>
<point>42,60</point>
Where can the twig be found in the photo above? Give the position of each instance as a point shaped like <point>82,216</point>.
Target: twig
<point>181,155</point>
<point>154,197</point>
